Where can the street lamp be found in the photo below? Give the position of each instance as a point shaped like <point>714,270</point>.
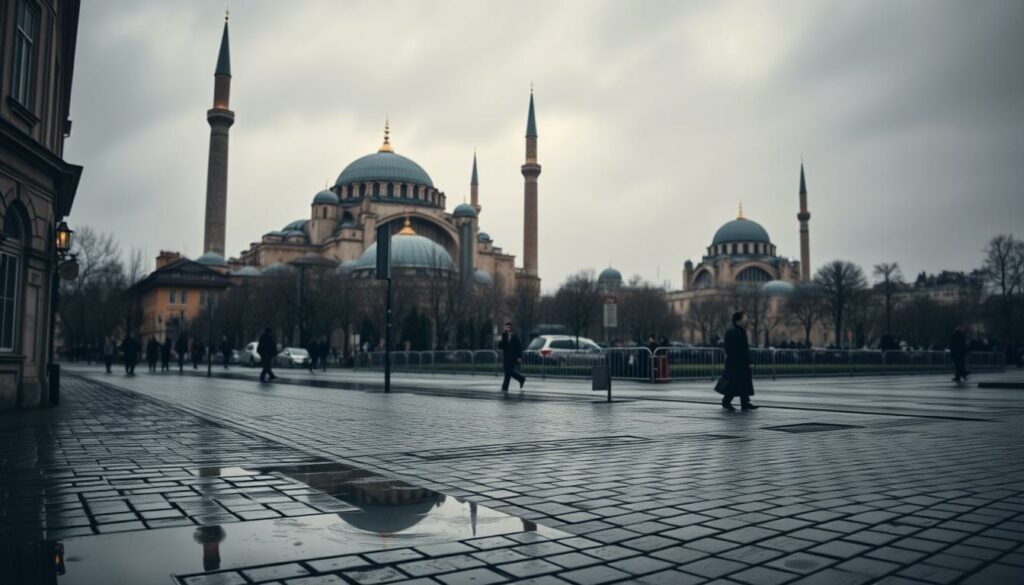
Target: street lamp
<point>66,268</point>
<point>63,239</point>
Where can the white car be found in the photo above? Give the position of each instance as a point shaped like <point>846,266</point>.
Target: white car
<point>565,348</point>
<point>249,355</point>
<point>293,357</point>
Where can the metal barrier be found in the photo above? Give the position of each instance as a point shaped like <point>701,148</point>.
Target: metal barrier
<point>681,363</point>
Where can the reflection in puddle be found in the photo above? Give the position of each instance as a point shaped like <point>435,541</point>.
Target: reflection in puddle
<point>387,514</point>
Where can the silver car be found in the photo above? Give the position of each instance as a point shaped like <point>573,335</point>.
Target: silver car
<point>292,357</point>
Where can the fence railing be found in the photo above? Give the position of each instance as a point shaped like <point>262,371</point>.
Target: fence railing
<point>672,363</point>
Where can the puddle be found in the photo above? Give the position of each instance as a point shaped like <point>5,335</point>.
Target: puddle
<point>387,514</point>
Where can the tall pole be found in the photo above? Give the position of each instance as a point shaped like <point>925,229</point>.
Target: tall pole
<point>209,337</point>
<point>387,341</point>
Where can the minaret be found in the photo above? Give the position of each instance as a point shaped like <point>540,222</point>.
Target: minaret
<point>474,187</point>
<point>804,216</point>
<point>531,170</point>
<point>220,119</point>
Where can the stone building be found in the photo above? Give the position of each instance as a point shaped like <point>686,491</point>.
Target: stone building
<point>174,295</point>
<point>37,187</point>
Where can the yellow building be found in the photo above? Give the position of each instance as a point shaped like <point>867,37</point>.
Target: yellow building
<point>174,295</point>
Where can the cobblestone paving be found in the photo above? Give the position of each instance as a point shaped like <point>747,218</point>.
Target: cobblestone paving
<point>652,491</point>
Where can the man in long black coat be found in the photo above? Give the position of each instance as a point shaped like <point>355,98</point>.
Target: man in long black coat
<point>958,353</point>
<point>267,348</point>
<point>512,355</point>
<point>130,349</point>
<point>152,353</point>
<point>165,355</point>
<point>739,380</point>
<point>181,347</point>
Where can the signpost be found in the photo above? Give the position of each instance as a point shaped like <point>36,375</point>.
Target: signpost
<point>611,312</point>
<point>384,273</point>
<point>602,373</point>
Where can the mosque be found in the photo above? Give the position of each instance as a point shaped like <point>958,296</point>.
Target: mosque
<point>378,189</point>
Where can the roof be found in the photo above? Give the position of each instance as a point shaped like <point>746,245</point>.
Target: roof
<point>531,121</point>
<point>609,274</point>
<point>384,166</point>
<point>246,271</point>
<point>483,237</point>
<point>464,210</point>
<point>182,273</point>
<point>325,197</point>
<point>224,58</point>
<point>741,230</point>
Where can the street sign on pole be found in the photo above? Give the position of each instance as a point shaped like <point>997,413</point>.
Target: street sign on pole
<point>611,312</point>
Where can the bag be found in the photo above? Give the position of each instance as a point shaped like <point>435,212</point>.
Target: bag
<point>720,385</point>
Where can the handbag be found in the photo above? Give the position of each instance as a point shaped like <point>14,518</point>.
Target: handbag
<point>720,385</point>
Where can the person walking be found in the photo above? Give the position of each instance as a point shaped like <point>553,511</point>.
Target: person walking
<point>738,379</point>
<point>130,350</point>
<point>958,353</point>
<point>225,351</point>
<point>152,353</point>
<point>108,352</point>
<point>512,356</point>
<point>181,347</point>
<point>165,355</point>
<point>267,348</point>
<point>325,352</point>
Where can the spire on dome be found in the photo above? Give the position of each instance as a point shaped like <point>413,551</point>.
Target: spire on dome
<point>531,122</point>
<point>386,147</point>
<point>473,180</point>
<point>407,228</point>
<point>740,215</point>
<point>224,58</point>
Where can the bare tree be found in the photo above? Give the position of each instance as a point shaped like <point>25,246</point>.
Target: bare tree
<point>643,310</point>
<point>752,300</point>
<point>805,308</point>
<point>708,315</point>
<point>890,277</point>
<point>525,307</point>
<point>1004,270</point>
<point>840,282</point>
<point>578,301</point>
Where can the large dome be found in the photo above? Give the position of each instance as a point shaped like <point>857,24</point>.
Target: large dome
<point>741,230</point>
<point>384,166</point>
<point>408,251</point>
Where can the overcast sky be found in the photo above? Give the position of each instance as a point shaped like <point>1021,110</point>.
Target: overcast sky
<point>654,119</point>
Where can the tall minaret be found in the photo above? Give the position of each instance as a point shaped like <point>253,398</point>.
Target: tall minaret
<point>531,170</point>
<point>474,187</point>
<point>804,216</point>
<point>220,119</point>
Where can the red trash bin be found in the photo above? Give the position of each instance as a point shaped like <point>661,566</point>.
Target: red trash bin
<point>661,371</point>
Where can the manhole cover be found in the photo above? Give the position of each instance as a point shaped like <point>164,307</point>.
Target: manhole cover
<point>811,428</point>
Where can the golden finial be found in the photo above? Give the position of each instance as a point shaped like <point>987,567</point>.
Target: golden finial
<point>407,228</point>
<point>740,216</point>
<point>226,14</point>
<point>386,147</point>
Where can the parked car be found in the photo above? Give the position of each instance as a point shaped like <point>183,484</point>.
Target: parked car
<point>238,357</point>
<point>292,357</point>
<point>561,349</point>
<point>249,355</point>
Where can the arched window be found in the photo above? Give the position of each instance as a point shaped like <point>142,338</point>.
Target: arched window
<point>745,248</point>
<point>753,274</point>
<point>376,189</point>
<point>362,190</point>
<point>391,189</point>
<point>703,280</point>
<point>15,238</point>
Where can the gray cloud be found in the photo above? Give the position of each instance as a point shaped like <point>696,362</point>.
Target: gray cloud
<point>655,119</point>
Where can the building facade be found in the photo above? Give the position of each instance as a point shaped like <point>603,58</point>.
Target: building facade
<point>175,295</point>
<point>37,187</point>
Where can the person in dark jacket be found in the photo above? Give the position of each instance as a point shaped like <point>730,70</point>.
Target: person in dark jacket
<point>225,351</point>
<point>130,350</point>
<point>512,355</point>
<point>165,355</point>
<point>313,349</point>
<point>152,353</point>
<point>739,380</point>
<point>109,348</point>
<point>958,353</point>
<point>181,346</point>
<point>267,348</point>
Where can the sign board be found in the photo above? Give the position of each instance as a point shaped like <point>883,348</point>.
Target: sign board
<point>383,252</point>
<point>611,315</point>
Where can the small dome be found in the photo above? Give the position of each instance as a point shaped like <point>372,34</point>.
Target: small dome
<point>325,197</point>
<point>483,237</point>
<point>246,271</point>
<point>346,267</point>
<point>211,258</point>
<point>408,251</point>
<point>464,210</point>
<point>741,230</point>
<point>384,166</point>
<point>482,278</point>
<point>778,288</point>
<point>609,274</point>
<point>297,225</point>
<point>277,269</point>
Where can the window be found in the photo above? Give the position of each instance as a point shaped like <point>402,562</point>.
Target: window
<point>183,296</point>
<point>753,274</point>
<point>25,38</point>
<point>562,344</point>
<point>15,233</point>
<point>171,299</point>
<point>203,298</point>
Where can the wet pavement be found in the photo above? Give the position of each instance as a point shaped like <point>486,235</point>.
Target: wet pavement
<point>163,479</point>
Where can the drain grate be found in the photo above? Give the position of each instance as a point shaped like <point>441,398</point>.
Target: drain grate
<point>592,443</point>
<point>811,428</point>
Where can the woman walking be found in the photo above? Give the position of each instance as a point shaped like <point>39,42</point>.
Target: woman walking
<point>738,379</point>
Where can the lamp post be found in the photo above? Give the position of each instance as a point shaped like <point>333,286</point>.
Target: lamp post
<point>67,268</point>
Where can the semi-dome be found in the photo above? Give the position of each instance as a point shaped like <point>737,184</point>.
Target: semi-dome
<point>483,237</point>
<point>346,267</point>
<point>778,288</point>
<point>325,197</point>
<point>277,269</point>
<point>609,274</point>
<point>384,166</point>
<point>741,230</point>
<point>297,225</point>
<point>211,258</point>
<point>409,250</point>
<point>246,271</point>
<point>483,278</point>
<point>464,210</point>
